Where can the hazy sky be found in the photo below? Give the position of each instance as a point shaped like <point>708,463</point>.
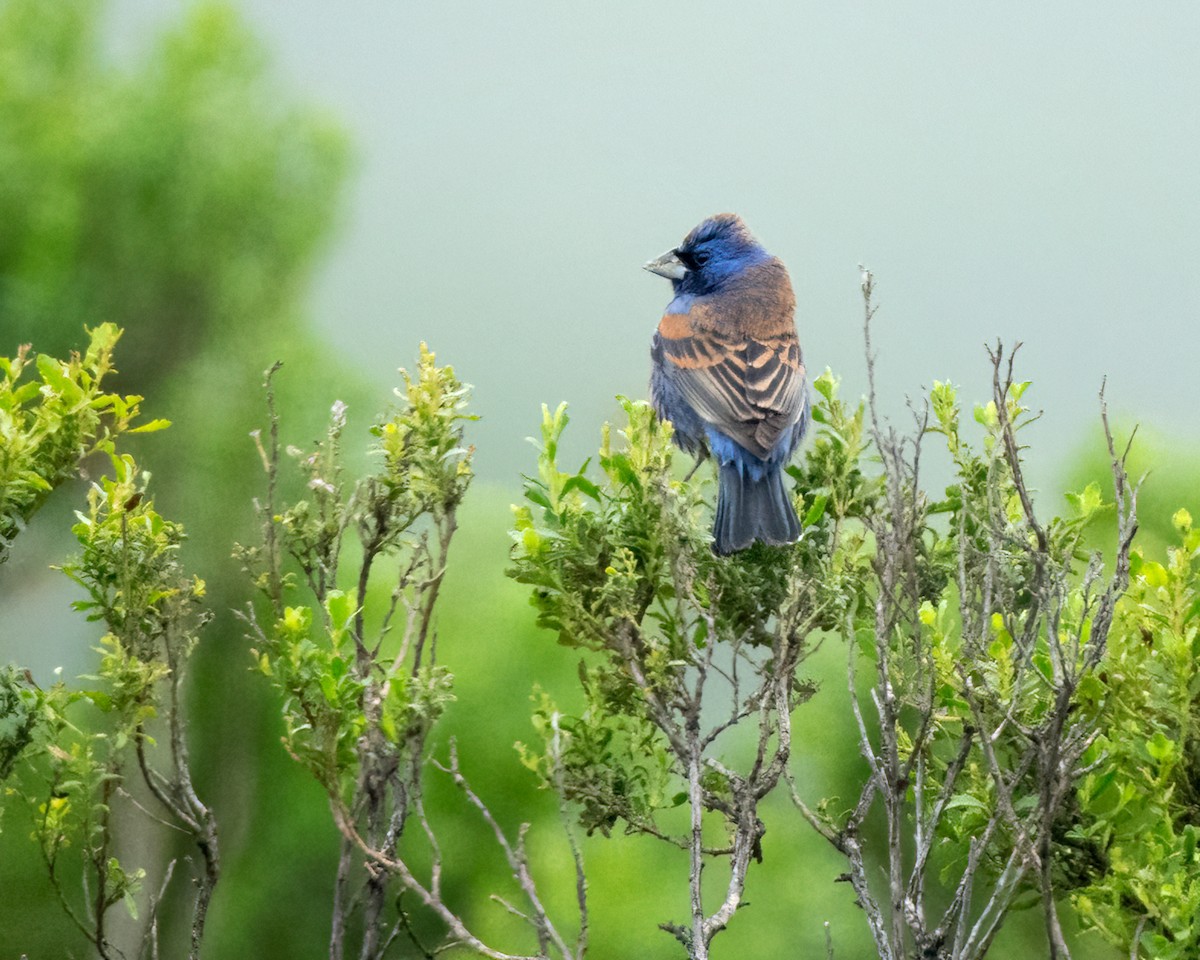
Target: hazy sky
<point>1021,170</point>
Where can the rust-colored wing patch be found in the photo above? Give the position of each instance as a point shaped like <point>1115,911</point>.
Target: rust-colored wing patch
<point>751,389</point>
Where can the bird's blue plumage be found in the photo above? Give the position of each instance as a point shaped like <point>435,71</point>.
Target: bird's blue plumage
<point>728,373</point>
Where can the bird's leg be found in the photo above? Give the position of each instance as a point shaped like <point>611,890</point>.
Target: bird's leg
<point>696,466</point>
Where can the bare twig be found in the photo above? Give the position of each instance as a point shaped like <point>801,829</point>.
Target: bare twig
<point>150,936</point>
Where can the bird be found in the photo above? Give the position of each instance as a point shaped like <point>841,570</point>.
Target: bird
<point>728,373</point>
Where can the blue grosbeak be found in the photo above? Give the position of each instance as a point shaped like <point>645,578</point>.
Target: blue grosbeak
<point>729,375</point>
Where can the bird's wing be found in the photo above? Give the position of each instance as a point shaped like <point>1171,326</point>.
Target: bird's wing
<point>750,388</point>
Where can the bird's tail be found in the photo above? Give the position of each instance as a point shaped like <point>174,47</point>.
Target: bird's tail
<point>749,510</point>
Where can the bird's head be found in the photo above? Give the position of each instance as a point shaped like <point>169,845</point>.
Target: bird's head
<point>715,252</point>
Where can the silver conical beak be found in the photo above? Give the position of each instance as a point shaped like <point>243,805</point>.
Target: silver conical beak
<point>668,265</point>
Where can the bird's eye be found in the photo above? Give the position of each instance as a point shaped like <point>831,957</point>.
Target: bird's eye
<point>687,258</point>
<point>701,257</point>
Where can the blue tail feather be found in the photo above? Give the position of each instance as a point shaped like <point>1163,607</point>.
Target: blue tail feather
<point>750,509</point>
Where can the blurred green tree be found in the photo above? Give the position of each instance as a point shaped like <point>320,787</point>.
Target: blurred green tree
<point>182,199</point>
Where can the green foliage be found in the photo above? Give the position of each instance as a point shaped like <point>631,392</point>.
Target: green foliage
<point>840,495</point>
<point>73,774</point>
<point>1017,635</point>
<point>51,422</point>
<point>130,569</point>
<point>1140,802</point>
<point>71,771</point>
<point>633,550</point>
<point>338,682</point>
<point>613,765</point>
<point>1166,470</point>
<point>984,628</point>
<point>78,745</point>
<point>1009,634</point>
<point>20,711</point>
<point>622,570</point>
<point>359,702</point>
<point>72,747</point>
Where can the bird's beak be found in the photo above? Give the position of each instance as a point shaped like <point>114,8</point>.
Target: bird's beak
<point>668,265</point>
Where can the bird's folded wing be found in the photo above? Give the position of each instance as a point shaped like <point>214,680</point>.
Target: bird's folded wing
<point>749,388</point>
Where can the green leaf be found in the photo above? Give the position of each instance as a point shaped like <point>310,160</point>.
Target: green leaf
<point>619,464</point>
<point>584,485</point>
<point>826,384</point>
<point>1088,501</point>
<point>102,700</point>
<point>538,496</point>
<point>967,800</point>
<point>1160,748</point>
<point>152,426</point>
<point>531,540</point>
<point>387,726</point>
<point>986,414</point>
<point>1154,573</point>
<point>340,607</point>
<point>1103,782</point>
<point>816,511</point>
<point>53,375</point>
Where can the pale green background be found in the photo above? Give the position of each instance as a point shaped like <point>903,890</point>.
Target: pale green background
<point>1023,170</point>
